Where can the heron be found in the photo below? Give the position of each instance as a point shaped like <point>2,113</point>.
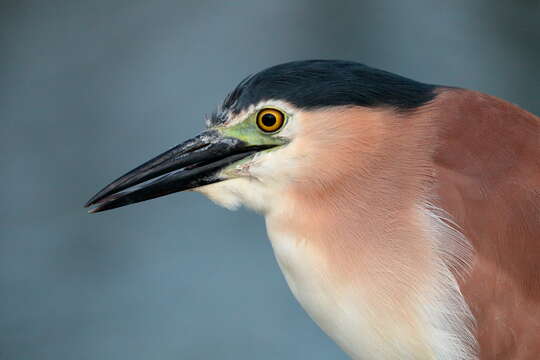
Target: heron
<point>404,216</point>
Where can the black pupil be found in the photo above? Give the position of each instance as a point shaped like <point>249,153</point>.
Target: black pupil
<point>268,120</point>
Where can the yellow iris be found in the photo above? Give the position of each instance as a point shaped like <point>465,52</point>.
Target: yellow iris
<point>270,120</point>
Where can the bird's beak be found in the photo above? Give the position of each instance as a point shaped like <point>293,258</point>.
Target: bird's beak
<point>194,163</point>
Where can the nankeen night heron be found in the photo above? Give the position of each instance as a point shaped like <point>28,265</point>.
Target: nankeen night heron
<point>404,216</point>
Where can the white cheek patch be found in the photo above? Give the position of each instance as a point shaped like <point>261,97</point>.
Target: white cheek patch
<point>233,193</point>
<point>222,194</point>
<point>275,169</point>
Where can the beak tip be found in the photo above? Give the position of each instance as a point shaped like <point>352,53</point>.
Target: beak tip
<point>95,210</point>
<point>90,202</point>
<point>93,200</point>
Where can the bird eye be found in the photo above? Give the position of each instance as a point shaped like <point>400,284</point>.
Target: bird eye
<point>270,120</point>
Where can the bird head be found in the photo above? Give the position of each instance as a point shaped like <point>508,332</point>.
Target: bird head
<point>285,126</point>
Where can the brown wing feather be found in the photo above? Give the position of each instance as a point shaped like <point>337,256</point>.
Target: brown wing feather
<point>488,176</point>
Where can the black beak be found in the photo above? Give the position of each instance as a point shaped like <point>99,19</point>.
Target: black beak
<point>193,163</point>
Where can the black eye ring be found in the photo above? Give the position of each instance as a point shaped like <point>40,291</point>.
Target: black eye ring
<point>270,120</point>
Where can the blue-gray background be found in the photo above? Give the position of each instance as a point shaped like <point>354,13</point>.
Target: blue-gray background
<point>89,89</point>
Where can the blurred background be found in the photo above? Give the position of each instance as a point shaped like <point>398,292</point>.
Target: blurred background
<point>91,89</point>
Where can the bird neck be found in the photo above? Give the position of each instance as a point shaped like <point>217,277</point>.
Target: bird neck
<point>364,251</point>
